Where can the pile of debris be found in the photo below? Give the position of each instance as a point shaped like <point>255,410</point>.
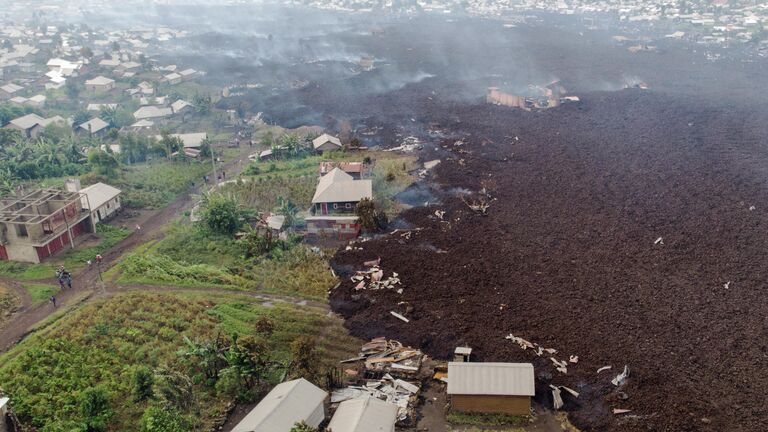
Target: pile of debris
<point>388,357</point>
<point>404,394</point>
<point>560,365</point>
<point>373,278</point>
<point>390,372</point>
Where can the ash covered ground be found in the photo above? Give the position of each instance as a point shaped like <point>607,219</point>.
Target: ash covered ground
<point>567,255</point>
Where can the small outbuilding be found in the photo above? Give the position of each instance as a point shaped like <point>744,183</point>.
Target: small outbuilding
<point>288,403</point>
<point>102,200</point>
<point>491,387</point>
<point>325,143</point>
<point>366,414</point>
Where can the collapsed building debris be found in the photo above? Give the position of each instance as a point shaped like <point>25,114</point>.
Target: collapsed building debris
<point>389,389</point>
<point>389,371</point>
<point>373,278</point>
<point>557,398</point>
<point>480,206</point>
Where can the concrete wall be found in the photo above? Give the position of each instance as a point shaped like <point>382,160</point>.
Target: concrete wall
<point>513,405</point>
<point>106,211</point>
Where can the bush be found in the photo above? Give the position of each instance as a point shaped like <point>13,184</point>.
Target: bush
<point>220,214</point>
<point>161,419</point>
<point>143,380</point>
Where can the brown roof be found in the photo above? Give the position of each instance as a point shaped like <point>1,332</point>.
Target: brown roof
<point>347,167</point>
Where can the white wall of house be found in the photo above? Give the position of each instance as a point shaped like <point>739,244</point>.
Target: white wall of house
<point>106,211</point>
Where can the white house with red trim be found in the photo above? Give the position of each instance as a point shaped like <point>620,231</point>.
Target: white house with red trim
<point>335,202</point>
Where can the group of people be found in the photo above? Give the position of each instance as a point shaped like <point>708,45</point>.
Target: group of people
<point>65,279</point>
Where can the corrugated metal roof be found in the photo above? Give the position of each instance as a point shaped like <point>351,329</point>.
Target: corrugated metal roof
<point>324,138</point>
<point>504,379</point>
<point>99,80</point>
<point>98,195</point>
<point>338,186</point>
<point>288,403</point>
<point>365,414</point>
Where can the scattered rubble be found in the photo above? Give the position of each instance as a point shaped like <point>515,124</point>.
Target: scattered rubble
<point>620,378</point>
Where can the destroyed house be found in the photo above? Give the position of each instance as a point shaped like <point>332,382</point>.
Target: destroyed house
<point>40,223</point>
<point>288,403</point>
<point>335,202</point>
<point>491,387</point>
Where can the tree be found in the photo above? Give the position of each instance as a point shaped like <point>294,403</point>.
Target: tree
<point>220,214</point>
<point>72,88</point>
<point>86,52</point>
<point>202,103</point>
<point>305,358</point>
<point>291,144</point>
<point>255,244</point>
<point>103,163</point>
<point>170,143</point>
<point>370,218</point>
<point>94,407</point>
<point>80,117</point>
<point>143,380</point>
<point>205,148</point>
<point>288,209</point>
<point>162,419</point>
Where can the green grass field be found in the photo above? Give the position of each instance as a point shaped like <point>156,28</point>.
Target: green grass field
<point>40,293</point>
<point>103,342</point>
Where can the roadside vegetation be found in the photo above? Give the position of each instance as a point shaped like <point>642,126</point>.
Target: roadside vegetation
<point>166,362</point>
<point>192,256</point>
<point>9,303</point>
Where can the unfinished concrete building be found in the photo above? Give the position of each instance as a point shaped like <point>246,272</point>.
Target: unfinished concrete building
<point>37,224</point>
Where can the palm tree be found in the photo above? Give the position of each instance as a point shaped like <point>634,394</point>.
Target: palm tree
<point>286,208</point>
<point>47,152</point>
<point>72,151</point>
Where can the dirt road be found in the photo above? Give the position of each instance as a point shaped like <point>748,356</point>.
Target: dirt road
<point>86,282</point>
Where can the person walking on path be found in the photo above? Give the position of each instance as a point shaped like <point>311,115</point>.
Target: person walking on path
<point>53,300</point>
<point>61,281</point>
<point>69,280</point>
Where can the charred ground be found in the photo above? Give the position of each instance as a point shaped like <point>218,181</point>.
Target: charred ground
<point>566,256</point>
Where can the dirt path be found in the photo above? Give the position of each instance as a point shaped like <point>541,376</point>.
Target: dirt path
<point>86,281</point>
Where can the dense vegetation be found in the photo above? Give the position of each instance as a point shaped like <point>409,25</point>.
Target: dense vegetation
<point>188,256</point>
<point>123,358</point>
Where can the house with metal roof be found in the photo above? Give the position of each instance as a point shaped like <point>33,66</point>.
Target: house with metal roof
<point>366,414</point>
<point>94,126</point>
<point>335,202</point>
<point>102,200</point>
<point>31,124</point>
<point>147,112</point>
<point>325,143</point>
<point>491,387</point>
<point>100,83</point>
<point>288,403</point>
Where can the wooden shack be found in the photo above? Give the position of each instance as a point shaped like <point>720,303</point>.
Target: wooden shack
<point>491,387</point>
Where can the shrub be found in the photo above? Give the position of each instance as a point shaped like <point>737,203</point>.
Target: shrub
<point>162,419</point>
<point>143,380</point>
